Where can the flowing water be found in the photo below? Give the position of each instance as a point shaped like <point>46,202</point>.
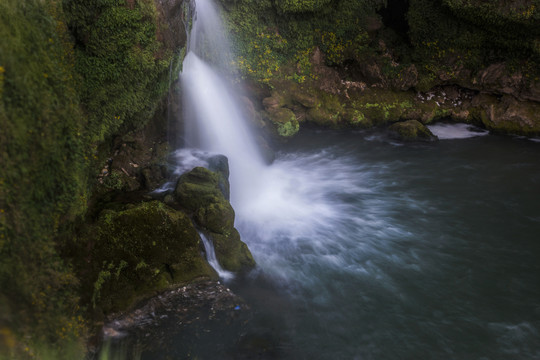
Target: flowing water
<point>367,248</point>
<point>398,252</point>
<point>370,249</point>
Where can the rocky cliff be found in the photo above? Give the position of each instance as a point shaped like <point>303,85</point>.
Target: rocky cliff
<point>352,64</point>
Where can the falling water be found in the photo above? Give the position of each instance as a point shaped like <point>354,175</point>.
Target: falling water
<point>212,260</point>
<point>214,120</point>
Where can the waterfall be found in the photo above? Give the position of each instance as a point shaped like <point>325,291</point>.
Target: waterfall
<point>289,204</point>
<point>214,119</point>
<point>290,200</point>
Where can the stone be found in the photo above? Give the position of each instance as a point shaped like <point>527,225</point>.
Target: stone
<point>198,191</point>
<point>232,253</point>
<point>284,121</point>
<point>134,252</point>
<point>411,130</point>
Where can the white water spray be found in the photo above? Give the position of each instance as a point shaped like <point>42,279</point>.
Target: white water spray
<point>290,204</point>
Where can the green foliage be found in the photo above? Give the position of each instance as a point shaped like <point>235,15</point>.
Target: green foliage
<point>43,178</point>
<point>278,43</point>
<point>123,65</point>
<point>301,5</point>
<point>261,59</point>
<point>51,128</point>
<point>448,34</point>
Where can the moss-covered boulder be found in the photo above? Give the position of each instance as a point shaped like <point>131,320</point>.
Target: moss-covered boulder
<point>199,192</point>
<point>197,189</point>
<point>232,253</point>
<point>285,122</point>
<point>135,252</point>
<point>411,130</point>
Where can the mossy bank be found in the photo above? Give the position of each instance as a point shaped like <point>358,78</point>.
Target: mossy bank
<point>74,75</point>
<point>360,64</point>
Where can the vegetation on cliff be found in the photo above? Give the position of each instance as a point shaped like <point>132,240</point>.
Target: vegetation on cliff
<point>347,50</point>
<point>72,75</point>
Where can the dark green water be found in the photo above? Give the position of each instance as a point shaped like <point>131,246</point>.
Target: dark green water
<point>369,249</point>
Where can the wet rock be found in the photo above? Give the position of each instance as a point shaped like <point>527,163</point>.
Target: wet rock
<point>220,165</point>
<point>188,312</point>
<point>153,176</point>
<point>199,192</point>
<point>285,122</point>
<point>233,254</point>
<point>411,130</point>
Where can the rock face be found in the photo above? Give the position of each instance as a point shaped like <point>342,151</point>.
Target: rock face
<point>137,251</point>
<point>371,64</point>
<point>199,192</point>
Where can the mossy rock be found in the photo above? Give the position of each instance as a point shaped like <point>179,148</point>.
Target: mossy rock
<point>231,252</point>
<point>198,190</point>
<point>381,106</point>
<point>304,96</point>
<point>507,115</point>
<point>285,122</point>
<point>411,130</point>
<point>217,217</point>
<point>136,252</point>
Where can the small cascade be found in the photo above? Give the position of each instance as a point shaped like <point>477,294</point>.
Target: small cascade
<point>212,260</point>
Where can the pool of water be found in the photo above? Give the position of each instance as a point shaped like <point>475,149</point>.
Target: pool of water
<point>372,249</point>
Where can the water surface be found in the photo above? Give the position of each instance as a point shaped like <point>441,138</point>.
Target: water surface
<point>369,249</point>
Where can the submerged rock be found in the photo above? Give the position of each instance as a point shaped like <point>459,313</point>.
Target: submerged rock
<point>185,312</point>
<point>199,192</point>
<point>411,130</point>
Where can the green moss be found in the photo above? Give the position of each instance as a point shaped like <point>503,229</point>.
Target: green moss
<point>232,253</point>
<point>275,41</point>
<point>285,122</point>
<point>43,178</point>
<point>451,34</point>
<point>380,106</point>
<point>51,129</point>
<point>358,119</point>
<point>124,67</point>
<point>288,129</point>
<point>198,188</point>
<point>217,216</point>
<point>199,192</point>
<point>138,251</point>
